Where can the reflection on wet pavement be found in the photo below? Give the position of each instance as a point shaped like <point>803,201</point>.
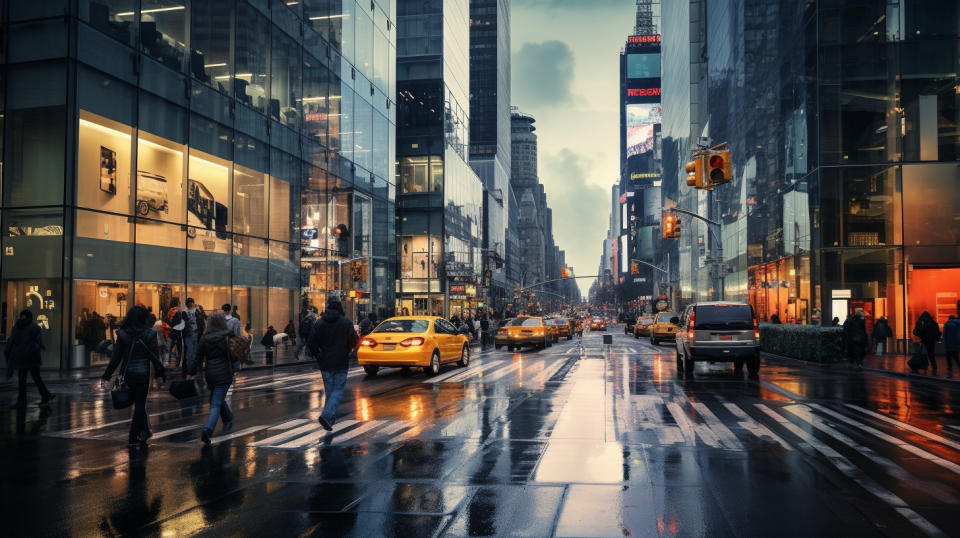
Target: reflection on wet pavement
<point>568,441</point>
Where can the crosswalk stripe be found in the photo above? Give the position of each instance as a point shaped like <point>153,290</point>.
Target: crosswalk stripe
<point>460,376</point>
<point>317,433</point>
<point>719,428</point>
<point>406,434</point>
<point>238,433</point>
<point>174,431</point>
<point>360,430</point>
<point>691,430</point>
<point>391,429</point>
<point>289,424</point>
<point>282,437</point>
<point>502,372</point>
<point>854,473</point>
<point>933,458</point>
<point>456,371</point>
<point>938,438</point>
<point>754,427</point>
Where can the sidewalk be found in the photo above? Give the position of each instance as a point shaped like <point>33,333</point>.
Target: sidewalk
<point>897,364</point>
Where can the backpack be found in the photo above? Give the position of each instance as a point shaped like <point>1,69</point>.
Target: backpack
<point>191,321</point>
<point>237,348</point>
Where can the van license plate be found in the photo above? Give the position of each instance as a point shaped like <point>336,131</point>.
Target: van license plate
<point>726,337</point>
<point>389,347</point>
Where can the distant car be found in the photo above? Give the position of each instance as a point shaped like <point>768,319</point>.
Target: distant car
<point>552,330</point>
<point>425,341</point>
<point>598,324</point>
<point>628,323</point>
<point>642,326</point>
<point>520,331</point>
<point>564,327</point>
<point>719,332</point>
<point>664,327</point>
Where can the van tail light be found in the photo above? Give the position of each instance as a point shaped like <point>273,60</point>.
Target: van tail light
<point>756,329</point>
<point>693,317</point>
<point>368,342</point>
<point>415,341</point>
<point>502,331</point>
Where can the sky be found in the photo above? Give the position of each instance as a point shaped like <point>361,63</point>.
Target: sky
<point>565,72</point>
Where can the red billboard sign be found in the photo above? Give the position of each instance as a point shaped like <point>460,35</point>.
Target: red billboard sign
<point>643,39</point>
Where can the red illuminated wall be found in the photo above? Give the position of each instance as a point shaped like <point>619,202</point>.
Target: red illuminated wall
<point>933,290</point>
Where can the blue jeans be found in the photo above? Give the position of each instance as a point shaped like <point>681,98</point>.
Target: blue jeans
<point>334,382</point>
<point>218,407</point>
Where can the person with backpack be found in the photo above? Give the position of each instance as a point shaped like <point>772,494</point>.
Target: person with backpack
<point>331,342</point>
<point>174,319</point>
<point>881,331</point>
<point>213,353</point>
<point>23,355</point>
<point>306,325</point>
<point>855,338</point>
<point>134,352</point>
<point>191,332</point>
<point>951,341</point>
<point>927,330</point>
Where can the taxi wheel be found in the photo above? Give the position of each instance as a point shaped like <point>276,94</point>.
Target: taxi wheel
<point>371,370</point>
<point>434,368</point>
<point>464,356</point>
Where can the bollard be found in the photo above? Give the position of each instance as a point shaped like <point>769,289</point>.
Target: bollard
<point>608,339</point>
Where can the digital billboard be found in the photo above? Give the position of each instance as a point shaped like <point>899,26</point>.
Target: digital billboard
<point>643,65</point>
<point>642,119</point>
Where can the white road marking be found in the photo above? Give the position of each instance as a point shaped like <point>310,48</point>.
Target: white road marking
<point>719,428</point>
<point>290,423</point>
<point>287,435</point>
<point>690,430</point>
<point>463,375</point>
<point>174,431</point>
<point>316,434</point>
<point>238,433</point>
<point>933,458</point>
<point>502,372</point>
<point>909,427</point>
<point>360,430</point>
<point>854,473</point>
<point>754,427</point>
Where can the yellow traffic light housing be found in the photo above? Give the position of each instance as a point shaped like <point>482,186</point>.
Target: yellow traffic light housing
<point>694,170</point>
<point>564,272</point>
<point>676,228</point>
<point>669,223</point>
<point>634,268</point>
<point>719,170</point>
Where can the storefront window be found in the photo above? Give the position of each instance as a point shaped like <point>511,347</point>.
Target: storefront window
<point>160,254</point>
<point>159,184</point>
<point>104,164</point>
<point>285,90</point>
<point>865,280</point>
<point>934,290</point>
<point>99,308</point>
<point>250,184</point>
<point>163,31</point>
<point>208,196</point>
<point>421,174</point>
<point>861,206</point>
<point>210,60</point>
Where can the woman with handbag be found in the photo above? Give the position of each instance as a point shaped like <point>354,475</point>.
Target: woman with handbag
<point>23,354</point>
<point>135,350</point>
<point>213,353</point>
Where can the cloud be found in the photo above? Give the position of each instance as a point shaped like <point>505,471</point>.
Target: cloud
<point>580,209</point>
<point>543,74</point>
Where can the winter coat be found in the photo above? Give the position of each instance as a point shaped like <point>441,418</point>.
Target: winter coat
<point>854,335</point>
<point>212,354</point>
<point>951,335</point>
<point>306,325</point>
<point>290,330</point>
<point>332,340</point>
<point>267,340</point>
<point>926,330</point>
<point>23,347</point>
<point>144,353</point>
<point>366,327</point>
<point>882,331</point>
<point>234,325</point>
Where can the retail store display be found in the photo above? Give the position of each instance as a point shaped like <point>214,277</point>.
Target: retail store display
<point>203,207</point>
<point>108,170</point>
<point>151,193</point>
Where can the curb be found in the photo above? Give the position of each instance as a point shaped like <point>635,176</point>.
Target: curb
<point>879,371</point>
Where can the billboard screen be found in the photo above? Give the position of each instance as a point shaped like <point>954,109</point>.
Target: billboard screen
<point>641,119</point>
<point>643,65</point>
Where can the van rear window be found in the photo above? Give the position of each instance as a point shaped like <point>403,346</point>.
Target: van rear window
<point>724,317</point>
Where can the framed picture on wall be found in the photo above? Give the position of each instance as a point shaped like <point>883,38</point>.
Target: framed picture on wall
<point>108,170</point>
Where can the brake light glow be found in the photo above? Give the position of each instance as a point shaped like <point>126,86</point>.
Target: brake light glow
<point>502,331</point>
<point>368,342</point>
<point>756,329</point>
<point>414,341</point>
<point>693,317</point>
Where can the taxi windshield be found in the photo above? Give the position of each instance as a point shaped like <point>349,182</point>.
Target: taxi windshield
<point>561,321</point>
<point>664,317</point>
<point>403,326</point>
<point>524,322</point>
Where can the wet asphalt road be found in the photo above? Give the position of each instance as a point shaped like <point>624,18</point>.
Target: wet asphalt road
<point>575,440</point>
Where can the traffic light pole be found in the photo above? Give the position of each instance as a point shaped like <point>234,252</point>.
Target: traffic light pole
<point>716,261</point>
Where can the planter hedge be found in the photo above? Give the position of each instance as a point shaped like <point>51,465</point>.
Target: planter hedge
<point>805,342</point>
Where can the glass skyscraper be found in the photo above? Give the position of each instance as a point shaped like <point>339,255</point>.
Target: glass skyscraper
<point>232,151</point>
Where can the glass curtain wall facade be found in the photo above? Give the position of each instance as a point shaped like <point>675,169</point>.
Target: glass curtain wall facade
<point>231,151</point>
<point>845,179</point>
<point>440,203</point>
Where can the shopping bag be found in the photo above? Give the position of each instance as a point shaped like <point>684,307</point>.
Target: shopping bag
<point>919,360</point>
<point>120,395</point>
<point>184,388</point>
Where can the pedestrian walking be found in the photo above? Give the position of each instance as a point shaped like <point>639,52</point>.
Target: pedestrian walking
<point>927,330</point>
<point>233,323</point>
<point>212,353</point>
<point>367,324</point>
<point>881,331</point>
<point>331,342</point>
<point>951,341</point>
<point>855,338</point>
<point>174,319</point>
<point>291,332</point>
<point>306,325</point>
<point>23,355</point>
<point>191,332</point>
<point>484,331</point>
<point>136,350</point>
<point>775,319</point>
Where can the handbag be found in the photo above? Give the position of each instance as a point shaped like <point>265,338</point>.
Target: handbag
<point>237,349</point>
<point>120,395</point>
<point>919,360</point>
<point>185,388</point>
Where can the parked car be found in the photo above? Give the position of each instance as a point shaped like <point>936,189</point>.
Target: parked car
<point>719,332</point>
<point>664,327</point>
<point>521,331</point>
<point>642,326</point>
<point>425,341</point>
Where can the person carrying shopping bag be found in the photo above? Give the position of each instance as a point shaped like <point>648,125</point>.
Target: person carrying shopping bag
<point>23,354</point>
<point>213,354</point>
<point>134,352</point>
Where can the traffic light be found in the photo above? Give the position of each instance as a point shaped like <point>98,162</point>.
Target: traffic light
<point>718,167</point>
<point>694,170</point>
<point>634,268</point>
<point>671,226</point>
<point>343,240</point>
<point>564,272</point>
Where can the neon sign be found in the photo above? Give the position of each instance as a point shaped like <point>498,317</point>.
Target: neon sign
<point>643,39</point>
<point>643,92</point>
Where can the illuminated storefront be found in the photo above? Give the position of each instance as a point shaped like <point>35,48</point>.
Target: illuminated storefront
<point>210,150</point>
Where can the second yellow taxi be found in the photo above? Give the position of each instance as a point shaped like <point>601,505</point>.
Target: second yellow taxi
<point>413,341</point>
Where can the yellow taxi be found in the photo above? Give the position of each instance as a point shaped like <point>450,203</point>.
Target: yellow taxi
<point>664,327</point>
<point>522,330</point>
<point>564,328</point>
<point>642,327</point>
<point>552,329</point>
<point>598,324</point>
<point>419,341</point>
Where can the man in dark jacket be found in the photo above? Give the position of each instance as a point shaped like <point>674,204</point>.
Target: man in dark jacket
<point>928,332</point>
<point>307,321</point>
<point>855,338</point>
<point>23,354</point>
<point>368,324</point>
<point>951,340</point>
<point>331,342</point>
